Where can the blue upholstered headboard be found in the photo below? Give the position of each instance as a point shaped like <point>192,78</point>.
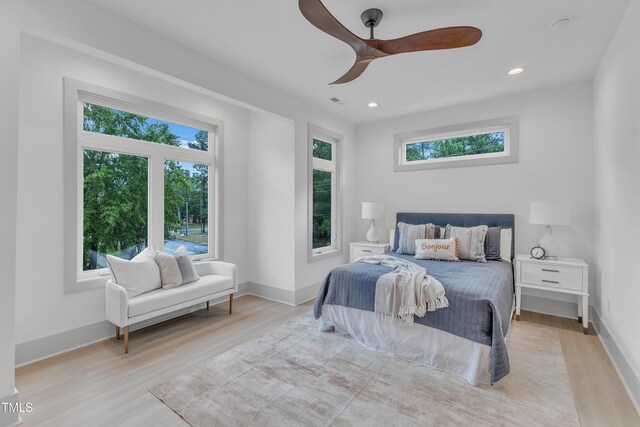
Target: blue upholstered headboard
<point>462,220</point>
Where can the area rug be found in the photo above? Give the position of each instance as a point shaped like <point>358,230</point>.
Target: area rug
<point>295,375</point>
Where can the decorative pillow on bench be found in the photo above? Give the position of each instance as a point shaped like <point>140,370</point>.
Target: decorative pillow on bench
<point>176,269</point>
<point>137,276</point>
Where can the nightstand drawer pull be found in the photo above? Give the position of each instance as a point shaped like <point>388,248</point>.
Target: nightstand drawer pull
<point>550,281</point>
<point>551,271</point>
<point>366,250</point>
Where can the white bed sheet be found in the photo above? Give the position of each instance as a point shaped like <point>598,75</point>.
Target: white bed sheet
<point>418,343</point>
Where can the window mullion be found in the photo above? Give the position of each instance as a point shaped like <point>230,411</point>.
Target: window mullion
<point>156,202</point>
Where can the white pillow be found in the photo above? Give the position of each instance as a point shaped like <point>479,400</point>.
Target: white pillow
<point>505,244</point>
<point>137,276</point>
<point>438,249</point>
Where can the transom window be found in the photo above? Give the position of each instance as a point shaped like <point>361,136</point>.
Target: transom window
<point>146,178</point>
<point>324,192</point>
<point>472,144</point>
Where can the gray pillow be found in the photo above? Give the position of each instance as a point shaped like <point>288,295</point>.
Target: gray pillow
<point>176,269</point>
<point>409,233</point>
<point>492,244</point>
<point>470,241</point>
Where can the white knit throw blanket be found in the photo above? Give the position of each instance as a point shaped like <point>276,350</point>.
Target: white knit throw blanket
<point>406,291</point>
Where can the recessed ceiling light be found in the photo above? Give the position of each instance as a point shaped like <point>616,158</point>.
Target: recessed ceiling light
<point>516,71</point>
<point>560,24</point>
<point>372,104</point>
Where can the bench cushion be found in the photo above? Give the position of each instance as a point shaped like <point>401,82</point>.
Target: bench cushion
<point>162,298</point>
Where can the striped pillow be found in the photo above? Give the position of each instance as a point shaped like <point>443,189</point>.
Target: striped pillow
<point>176,269</point>
<point>409,233</point>
<point>470,241</point>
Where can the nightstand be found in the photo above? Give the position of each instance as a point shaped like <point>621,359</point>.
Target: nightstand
<point>359,249</point>
<point>564,275</point>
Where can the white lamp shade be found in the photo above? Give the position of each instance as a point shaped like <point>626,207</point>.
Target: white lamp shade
<point>372,210</point>
<point>548,213</point>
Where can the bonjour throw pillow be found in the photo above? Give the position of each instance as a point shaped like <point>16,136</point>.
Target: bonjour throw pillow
<point>438,249</point>
<point>176,269</point>
<point>137,276</point>
<point>408,233</point>
<point>470,241</point>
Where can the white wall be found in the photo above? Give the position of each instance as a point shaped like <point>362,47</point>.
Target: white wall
<point>105,38</point>
<point>555,165</point>
<point>42,308</point>
<point>271,239</point>
<point>617,193</point>
<point>9,52</point>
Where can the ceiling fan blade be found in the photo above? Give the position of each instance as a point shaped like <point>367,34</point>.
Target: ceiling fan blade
<point>319,16</point>
<point>442,38</point>
<point>355,71</point>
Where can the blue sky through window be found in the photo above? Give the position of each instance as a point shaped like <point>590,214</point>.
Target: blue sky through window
<point>185,133</point>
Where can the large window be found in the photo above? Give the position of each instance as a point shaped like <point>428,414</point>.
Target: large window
<point>472,144</point>
<point>146,178</point>
<point>324,192</point>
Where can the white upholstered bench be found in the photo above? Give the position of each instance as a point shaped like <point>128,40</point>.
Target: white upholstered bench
<point>217,279</point>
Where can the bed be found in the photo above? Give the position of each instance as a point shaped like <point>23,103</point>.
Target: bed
<point>468,338</point>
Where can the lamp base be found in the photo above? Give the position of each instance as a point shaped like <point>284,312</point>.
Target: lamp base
<point>373,235</point>
<point>550,244</point>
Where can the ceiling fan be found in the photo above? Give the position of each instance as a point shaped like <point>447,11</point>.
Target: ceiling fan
<point>369,49</point>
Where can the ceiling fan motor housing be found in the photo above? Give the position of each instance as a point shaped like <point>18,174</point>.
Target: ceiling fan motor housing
<point>371,18</point>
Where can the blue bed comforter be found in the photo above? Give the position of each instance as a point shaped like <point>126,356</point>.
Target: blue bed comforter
<point>480,300</point>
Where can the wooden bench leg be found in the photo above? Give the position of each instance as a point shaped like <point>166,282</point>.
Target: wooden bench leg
<point>230,303</point>
<point>117,332</point>
<point>207,305</point>
<point>126,339</point>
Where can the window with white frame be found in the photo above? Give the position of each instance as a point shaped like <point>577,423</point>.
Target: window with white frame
<point>471,144</point>
<point>145,177</point>
<point>324,222</point>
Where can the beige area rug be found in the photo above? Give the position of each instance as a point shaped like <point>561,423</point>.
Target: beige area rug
<point>295,375</point>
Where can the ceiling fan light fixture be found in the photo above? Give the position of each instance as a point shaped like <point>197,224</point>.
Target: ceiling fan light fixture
<point>372,104</point>
<point>516,71</point>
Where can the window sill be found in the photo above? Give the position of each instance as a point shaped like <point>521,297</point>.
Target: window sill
<point>86,284</point>
<point>324,255</point>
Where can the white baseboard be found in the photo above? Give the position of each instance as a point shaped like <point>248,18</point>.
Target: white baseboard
<point>297,297</point>
<point>53,345</point>
<point>628,377</point>
<point>9,418</point>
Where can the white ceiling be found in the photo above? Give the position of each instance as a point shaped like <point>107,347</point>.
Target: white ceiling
<point>271,41</point>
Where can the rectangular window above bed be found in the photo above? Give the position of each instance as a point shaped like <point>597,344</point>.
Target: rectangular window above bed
<point>471,144</point>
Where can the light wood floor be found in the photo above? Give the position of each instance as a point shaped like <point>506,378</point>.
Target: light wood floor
<point>97,385</point>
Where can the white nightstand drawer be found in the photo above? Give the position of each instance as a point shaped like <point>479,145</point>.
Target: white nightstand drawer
<point>360,249</point>
<point>556,276</point>
<point>357,251</point>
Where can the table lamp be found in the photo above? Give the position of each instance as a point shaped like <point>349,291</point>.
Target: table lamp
<point>373,211</point>
<point>548,214</point>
